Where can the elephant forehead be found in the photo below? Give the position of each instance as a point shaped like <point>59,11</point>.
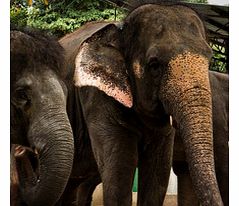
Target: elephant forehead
<point>95,70</point>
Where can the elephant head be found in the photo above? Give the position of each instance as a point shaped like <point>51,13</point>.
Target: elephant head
<point>164,50</point>
<point>38,115</point>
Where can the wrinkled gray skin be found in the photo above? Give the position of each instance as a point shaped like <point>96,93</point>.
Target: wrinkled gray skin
<point>39,118</point>
<point>167,62</point>
<point>220,98</point>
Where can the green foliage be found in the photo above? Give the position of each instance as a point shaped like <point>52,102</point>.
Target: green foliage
<point>219,60</point>
<point>18,15</point>
<point>61,17</point>
<point>64,16</point>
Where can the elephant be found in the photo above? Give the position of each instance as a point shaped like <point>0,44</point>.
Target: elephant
<point>38,117</point>
<point>113,128</point>
<point>129,78</point>
<point>220,101</point>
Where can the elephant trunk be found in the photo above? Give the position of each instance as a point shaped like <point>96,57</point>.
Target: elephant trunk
<point>196,129</point>
<point>190,104</point>
<point>52,138</point>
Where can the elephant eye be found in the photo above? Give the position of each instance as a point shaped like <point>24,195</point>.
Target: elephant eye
<point>21,96</point>
<point>154,66</point>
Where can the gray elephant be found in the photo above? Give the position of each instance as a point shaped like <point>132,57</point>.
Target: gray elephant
<point>114,129</point>
<point>163,48</point>
<point>220,101</point>
<point>39,118</point>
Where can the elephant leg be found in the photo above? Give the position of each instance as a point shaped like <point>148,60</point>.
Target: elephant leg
<point>116,155</point>
<point>186,195</point>
<point>222,171</point>
<point>85,191</point>
<point>154,170</point>
<point>221,153</point>
<point>69,197</point>
<point>79,192</point>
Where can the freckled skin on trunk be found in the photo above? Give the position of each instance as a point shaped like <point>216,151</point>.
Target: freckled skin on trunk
<point>192,108</point>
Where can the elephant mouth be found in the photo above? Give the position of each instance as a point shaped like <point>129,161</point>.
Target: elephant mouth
<point>153,110</point>
<point>154,117</point>
<point>27,165</point>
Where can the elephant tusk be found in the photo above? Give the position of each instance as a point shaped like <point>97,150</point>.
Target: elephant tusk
<point>35,151</point>
<point>171,120</point>
<point>19,151</point>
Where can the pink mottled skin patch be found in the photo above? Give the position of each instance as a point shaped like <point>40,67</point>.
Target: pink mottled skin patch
<point>83,77</point>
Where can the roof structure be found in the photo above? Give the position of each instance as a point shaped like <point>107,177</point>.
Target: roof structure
<point>216,20</point>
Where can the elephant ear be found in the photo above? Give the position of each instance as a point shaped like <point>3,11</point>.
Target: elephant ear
<point>99,63</point>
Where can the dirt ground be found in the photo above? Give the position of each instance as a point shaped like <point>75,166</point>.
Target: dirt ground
<point>171,200</point>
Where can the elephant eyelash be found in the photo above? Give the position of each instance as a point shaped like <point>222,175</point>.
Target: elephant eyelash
<point>22,97</point>
<point>154,68</point>
<point>21,94</point>
<point>153,64</point>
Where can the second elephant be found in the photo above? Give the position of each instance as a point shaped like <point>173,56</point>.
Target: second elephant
<point>168,75</point>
